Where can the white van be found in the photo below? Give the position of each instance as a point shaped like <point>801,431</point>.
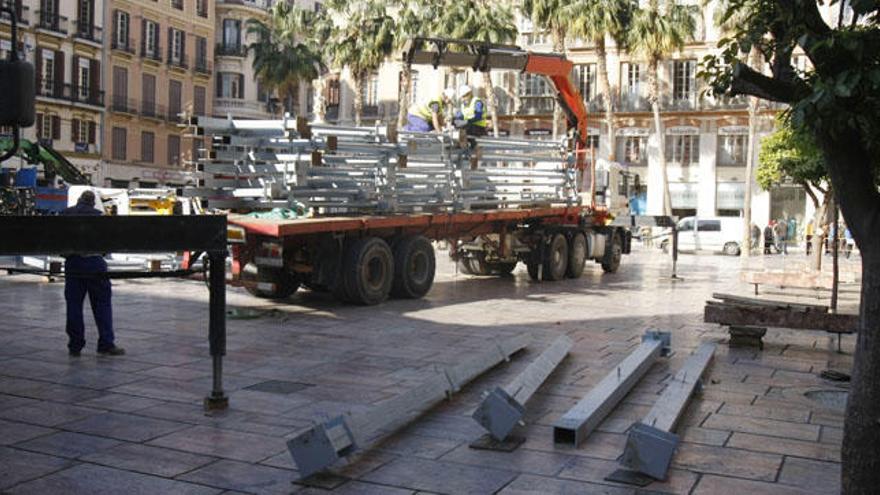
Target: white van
<point>711,234</point>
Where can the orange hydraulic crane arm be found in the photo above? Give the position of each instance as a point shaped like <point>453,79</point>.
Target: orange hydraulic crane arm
<point>487,56</point>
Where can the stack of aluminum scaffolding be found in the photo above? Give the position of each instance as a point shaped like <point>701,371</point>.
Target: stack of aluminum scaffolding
<point>263,164</point>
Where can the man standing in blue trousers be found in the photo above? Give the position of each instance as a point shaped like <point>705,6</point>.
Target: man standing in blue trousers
<point>78,283</point>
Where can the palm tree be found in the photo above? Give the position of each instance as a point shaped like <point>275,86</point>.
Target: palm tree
<point>655,34</point>
<point>595,20</point>
<point>281,62</point>
<point>477,20</point>
<point>413,18</point>
<point>362,38</point>
<point>551,16</point>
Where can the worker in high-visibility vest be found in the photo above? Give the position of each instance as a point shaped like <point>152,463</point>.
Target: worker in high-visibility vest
<point>428,116</point>
<point>471,115</point>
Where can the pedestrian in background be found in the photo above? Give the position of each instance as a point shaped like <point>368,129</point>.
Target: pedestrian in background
<point>779,231</point>
<point>756,236</point>
<point>791,231</point>
<point>808,235</point>
<point>80,278</point>
<point>769,241</point>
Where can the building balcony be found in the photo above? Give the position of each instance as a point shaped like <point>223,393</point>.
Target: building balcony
<point>224,50</point>
<point>633,103</point>
<point>88,32</point>
<point>536,105</point>
<point>177,62</point>
<point>258,4</point>
<point>22,14</point>
<point>52,22</point>
<point>240,107</point>
<point>122,45</point>
<point>71,93</point>
<point>150,110</point>
<point>153,53</point>
<point>202,66</point>
<point>121,104</point>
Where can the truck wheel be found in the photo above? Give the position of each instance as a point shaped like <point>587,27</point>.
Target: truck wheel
<point>533,269</point>
<point>577,255</point>
<point>414,267</point>
<point>556,258</point>
<point>613,254</point>
<point>500,268</point>
<point>368,271</point>
<point>268,283</point>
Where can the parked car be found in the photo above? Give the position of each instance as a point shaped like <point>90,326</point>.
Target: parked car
<point>708,234</point>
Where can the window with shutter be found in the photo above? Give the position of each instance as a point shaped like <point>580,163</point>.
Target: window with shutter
<point>56,127</point>
<point>199,100</point>
<point>118,143</point>
<point>173,150</point>
<point>175,88</point>
<point>40,133</point>
<point>147,144</point>
<point>58,90</point>
<point>92,131</point>
<point>74,131</point>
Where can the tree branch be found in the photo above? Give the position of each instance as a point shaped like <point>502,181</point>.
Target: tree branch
<point>810,193</point>
<point>747,81</point>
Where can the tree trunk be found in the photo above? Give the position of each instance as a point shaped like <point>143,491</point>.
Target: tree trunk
<point>750,166</point>
<point>558,47</point>
<point>605,88</point>
<point>403,96</point>
<point>359,81</point>
<point>819,233</point>
<point>835,260</point>
<point>854,188</point>
<point>654,74</point>
<point>491,105</point>
<point>319,103</point>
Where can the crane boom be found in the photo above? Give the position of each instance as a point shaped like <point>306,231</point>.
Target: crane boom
<point>483,57</point>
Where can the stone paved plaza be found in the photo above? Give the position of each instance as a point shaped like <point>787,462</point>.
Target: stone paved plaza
<point>135,424</point>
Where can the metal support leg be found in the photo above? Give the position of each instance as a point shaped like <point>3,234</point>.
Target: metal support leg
<point>217,328</point>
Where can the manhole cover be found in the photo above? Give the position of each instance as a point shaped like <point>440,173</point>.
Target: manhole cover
<point>832,399</point>
<point>279,387</point>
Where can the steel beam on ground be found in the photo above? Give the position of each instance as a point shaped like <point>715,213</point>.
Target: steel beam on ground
<point>320,446</point>
<point>502,408</point>
<point>651,442</point>
<point>575,425</point>
<point>779,317</point>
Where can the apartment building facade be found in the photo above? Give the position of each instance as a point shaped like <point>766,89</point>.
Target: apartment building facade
<point>63,39</point>
<point>159,66</point>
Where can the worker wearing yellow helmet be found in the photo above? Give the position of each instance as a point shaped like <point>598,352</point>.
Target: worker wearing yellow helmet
<point>471,115</point>
<point>427,116</point>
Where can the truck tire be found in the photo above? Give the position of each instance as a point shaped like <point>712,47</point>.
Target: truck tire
<point>533,269</point>
<point>368,271</point>
<point>414,267</point>
<point>556,258</point>
<point>283,284</point>
<point>577,256</point>
<point>731,249</point>
<point>503,269</point>
<point>613,255</point>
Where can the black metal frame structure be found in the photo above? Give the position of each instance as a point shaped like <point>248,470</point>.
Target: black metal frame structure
<point>31,235</point>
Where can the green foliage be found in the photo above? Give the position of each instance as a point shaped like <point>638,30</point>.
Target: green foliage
<point>594,19</point>
<point>362,36</point>
<point>789,154</point>
<point>656,32</point>
<point>477,20</point>
<point>282,55</point>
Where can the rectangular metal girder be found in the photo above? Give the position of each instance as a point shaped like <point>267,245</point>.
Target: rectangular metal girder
<point>503,408</point>
<point>111,234</point>
<point>779,317</point>
<point>651,442</point>
<point>575,425</point>
<point>752,301</point>
<point>320,446</point>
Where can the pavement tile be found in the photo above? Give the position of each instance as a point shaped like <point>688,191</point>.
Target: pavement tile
<point>358,488</point>
<point>11,432</point>
<point>808,474</point>
<point>68,444</point>
<point>831,435</point>
<point>783,414</point>
<point>440,477</point>
<point>48,414</point>
<point>785,446</point>
<point>120,402</point>
<point>704,436</point>
<point>17,466</point>
<point>89,479</point>
<point>725,461</point>
<point>124,426</point>
<point>715,485</point>
<point>223,443</point>
<point>11,401</point>
<point>527,484</point>
<point>149,460</point>
<point>522,460</point>
<point>761,426</point>
<point>595,471</point>
<point>418,446</point>
<point>250,478</point>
